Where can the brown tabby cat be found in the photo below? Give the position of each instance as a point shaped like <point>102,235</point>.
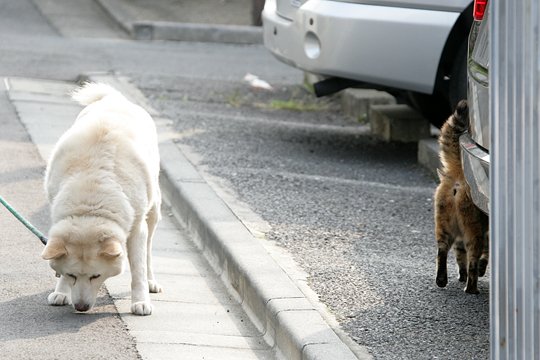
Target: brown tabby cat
<point>458,221</point>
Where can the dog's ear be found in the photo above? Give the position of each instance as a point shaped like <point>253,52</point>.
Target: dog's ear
<point>54,249</point>
<point>111,248</point>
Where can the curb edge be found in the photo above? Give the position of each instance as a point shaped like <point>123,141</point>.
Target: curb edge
<point>176,31</point>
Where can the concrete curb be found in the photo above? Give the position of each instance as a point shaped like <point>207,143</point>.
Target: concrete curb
<point>358,102</point>
<point>398,122</point>
<point>291,323</point>
<point>428,155</point>
<point>117,13</point>
<point>380,109</point>
<point>163,30</point>
<point>233,34</point>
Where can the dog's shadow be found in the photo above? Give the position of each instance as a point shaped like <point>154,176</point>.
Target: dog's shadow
<point>30,317</point>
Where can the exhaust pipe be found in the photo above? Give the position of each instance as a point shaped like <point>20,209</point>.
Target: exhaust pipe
<point>333,85</point>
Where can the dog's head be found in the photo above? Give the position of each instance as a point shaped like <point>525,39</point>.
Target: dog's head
<point>85,252</point>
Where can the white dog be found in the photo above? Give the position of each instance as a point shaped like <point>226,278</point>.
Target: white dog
<point>102,184</point>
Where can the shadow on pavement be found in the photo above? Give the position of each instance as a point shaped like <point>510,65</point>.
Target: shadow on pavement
<point>30,317</point>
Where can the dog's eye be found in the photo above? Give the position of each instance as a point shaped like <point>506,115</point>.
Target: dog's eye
<point>94,277</point>
<point>72,276</point>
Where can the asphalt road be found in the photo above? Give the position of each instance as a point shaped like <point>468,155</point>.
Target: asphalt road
<point>355,213</point>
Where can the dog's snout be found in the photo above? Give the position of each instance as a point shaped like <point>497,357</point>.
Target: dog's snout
<point>82,307</point>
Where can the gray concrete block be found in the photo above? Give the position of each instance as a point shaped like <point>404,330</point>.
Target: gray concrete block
<point>398,123</point>
<point>183,169</point>
<point>118,13</point>
<point>428,155</point>
<point>47,87</point>
<point>40,97</point>
<point>357,102</point>
<point>189,351</point>
<point>180,31</point>
<point>327,351</point>
<point>161,30</point>
<point>183,317</point>
<point>308,328</point>
<point>210,340</point>
<point>310,79</point>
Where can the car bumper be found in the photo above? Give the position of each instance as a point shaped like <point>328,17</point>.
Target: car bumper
<point>476,169</point>
<point>396,47</point>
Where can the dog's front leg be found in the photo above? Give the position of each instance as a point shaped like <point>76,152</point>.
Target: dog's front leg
<point>136,247</point>
<point>151,221</point>
<point>61,295</point>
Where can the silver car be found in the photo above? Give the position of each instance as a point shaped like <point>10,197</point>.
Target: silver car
<point>475,144</point>
<point>416,47</point>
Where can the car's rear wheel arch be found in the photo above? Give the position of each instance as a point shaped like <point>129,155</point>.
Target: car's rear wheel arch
<point>452,50</point>
<point>451,74</point>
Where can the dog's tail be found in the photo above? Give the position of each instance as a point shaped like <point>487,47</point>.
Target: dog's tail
<point>453,128</point>
<point>92,92</point>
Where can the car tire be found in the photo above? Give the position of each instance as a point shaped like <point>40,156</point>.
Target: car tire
<point>434,108</point>
<point>437,107</point>
<point>458,79</point>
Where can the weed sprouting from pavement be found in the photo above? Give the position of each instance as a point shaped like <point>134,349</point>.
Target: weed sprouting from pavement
<point>296,105</point>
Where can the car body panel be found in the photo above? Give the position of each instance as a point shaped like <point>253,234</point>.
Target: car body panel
<point>477,66</point>
<point>475,144</point>
<point>383,45</point>
<point>475,162</point>
<point>442,5</point>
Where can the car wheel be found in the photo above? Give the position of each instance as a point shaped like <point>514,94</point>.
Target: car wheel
<point>437,107</point>
<point>458,79</point>
<point>433,107</point>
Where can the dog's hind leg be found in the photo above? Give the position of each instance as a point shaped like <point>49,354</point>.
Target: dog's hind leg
<point>61,295</point>
<point>136,247</point>
<point>152,221</point>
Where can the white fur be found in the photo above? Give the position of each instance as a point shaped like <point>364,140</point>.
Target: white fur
<point>102,184</point>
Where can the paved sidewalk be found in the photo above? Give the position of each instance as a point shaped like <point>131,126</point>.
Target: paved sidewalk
<point>196,317</point>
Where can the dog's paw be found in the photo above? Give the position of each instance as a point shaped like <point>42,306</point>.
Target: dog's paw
<point>154,287</point>
<point>141,308</point>
<point>58,299</point>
